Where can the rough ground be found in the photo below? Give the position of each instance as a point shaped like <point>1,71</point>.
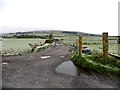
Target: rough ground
<point>33,72</point>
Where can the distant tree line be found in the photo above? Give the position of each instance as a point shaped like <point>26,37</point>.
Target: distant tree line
<point>26,36</point>
<point>67,32</point>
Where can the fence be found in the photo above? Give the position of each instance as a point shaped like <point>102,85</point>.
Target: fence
<point>104,46</point>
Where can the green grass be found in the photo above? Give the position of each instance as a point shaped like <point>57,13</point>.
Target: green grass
<point>95,61</point>
<point>113,46</point>
<point>97,66</point>
<point>68,39</point>
<point>16,44</point>
<point>98,58</point>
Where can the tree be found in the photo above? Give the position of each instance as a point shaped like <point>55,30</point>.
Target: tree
<point>51,37</point>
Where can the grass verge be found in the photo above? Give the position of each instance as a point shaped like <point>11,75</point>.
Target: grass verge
<point>97,65</point>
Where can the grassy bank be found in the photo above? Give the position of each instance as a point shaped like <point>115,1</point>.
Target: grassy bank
<point>97,64</point>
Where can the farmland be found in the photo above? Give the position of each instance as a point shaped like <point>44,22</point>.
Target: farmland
<point>16,44</point>
<point>95,42</point>
<point>22,44</point>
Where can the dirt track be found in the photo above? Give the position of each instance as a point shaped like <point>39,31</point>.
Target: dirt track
<point>33,72</point>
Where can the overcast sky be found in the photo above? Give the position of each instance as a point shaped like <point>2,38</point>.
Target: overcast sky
<point>90,16</point>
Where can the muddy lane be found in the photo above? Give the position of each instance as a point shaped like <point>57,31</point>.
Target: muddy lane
<point>50,68</point>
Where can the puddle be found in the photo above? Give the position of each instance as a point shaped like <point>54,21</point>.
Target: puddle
<point>69,68</point>
<point>44,57</point>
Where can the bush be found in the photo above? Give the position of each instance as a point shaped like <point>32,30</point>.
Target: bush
<point>48,41</point>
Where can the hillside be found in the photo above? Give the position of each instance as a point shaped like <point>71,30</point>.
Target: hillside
<point>46,33</point>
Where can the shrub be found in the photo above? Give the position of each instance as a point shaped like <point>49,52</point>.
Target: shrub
<point>48,41</point>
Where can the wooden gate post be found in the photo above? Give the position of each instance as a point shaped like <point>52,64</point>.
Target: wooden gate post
<point>105,46</point>
<point>80,46</point>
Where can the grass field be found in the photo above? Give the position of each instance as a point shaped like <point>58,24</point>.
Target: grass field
<point>16,44</point>
<point>113,46</point>
<point>22,44</point>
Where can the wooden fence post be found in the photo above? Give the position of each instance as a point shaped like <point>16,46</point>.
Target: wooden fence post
<point>80,46</point>
<point>105,46</point>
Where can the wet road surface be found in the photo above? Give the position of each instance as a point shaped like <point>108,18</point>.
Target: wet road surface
<point>39,70</point>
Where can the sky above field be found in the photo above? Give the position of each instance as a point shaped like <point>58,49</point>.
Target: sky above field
<point>90,16</point>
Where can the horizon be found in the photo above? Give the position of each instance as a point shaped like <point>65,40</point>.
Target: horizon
<point>55,31</point>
